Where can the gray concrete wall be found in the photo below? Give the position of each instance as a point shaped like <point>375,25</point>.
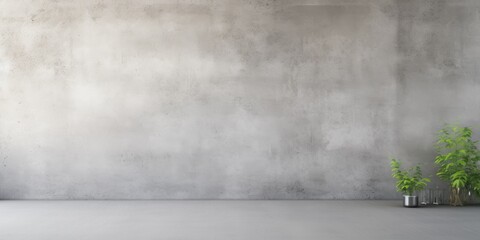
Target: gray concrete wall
<point>154,99</point>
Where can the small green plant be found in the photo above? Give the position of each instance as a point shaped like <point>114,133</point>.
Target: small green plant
<point>457,161</point>
<point>408,181</point>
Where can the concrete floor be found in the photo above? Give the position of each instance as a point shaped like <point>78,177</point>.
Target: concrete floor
<point>226,220</point>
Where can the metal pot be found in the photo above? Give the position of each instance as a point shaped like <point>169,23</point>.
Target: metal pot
<point>410,201</point>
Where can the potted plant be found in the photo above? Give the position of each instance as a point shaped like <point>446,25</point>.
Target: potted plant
<point>457,162</point>
<point>408,181</point>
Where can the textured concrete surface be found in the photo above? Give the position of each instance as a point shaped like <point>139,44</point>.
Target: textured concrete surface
<point>163,99</point>
<point>305,220</point>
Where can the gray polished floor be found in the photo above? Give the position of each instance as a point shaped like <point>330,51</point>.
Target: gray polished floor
<point>226,220</point>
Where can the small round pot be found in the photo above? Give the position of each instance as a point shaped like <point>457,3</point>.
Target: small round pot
<point>410,201</point>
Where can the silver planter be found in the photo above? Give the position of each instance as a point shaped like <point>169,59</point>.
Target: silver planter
<point>410,201</point>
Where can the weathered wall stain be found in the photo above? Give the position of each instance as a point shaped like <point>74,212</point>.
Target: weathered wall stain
<point>197,99</point>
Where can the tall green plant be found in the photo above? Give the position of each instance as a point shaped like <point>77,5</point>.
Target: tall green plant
<point>457,161</point>
<point>408,181</point>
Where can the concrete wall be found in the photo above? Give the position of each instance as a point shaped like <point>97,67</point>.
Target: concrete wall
<point>154,99</point>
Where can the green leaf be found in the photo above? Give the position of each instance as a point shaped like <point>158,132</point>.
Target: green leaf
<point>409,180</point>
